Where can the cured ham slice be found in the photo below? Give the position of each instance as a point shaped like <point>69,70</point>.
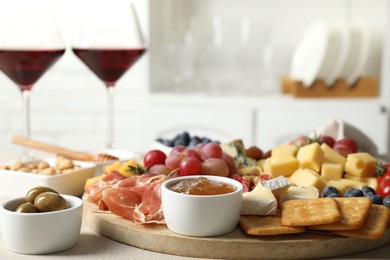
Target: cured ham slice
<point>137,198</point>
<point>95,190</point>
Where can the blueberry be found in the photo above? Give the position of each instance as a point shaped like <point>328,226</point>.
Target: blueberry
<point>180,141</point>
<point>185,136</point>
<point>206,140</point>
<point>386,201</point>
<point>194,141</point>
<point>329,190</point>
<point>354,192</point>
<point>367,190</point>
<point>167,142</point>
<point>333,195</point>
<point>376,199</point>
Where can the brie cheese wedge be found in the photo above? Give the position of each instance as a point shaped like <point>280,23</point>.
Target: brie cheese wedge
<point>260,201</point>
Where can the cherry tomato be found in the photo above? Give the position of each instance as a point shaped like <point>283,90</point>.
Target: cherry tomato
<point>383,188</point>
<point>154,157</point>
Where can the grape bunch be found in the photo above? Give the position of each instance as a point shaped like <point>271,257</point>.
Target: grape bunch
<point>206,159</point>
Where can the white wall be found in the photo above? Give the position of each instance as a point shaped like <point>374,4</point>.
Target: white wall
<point>68,104</point>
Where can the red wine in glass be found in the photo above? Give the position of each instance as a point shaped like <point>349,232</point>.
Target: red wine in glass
<point>25,67</point>
<point>109,64</point>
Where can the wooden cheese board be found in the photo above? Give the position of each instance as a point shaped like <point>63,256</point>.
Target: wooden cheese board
<point>234,245</point>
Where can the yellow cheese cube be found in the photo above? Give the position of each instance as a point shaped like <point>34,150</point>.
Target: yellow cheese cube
<point>370,181</point>
<point>332,171</point>
<point>284,149</point>
<point>308,178</point>
<point>344,184</point>
<point>311,156</point>
<point>361,164</point>
<point>281,165</point>
<point>126,167</point>
<point>332,156</point>
<point>113,167</point>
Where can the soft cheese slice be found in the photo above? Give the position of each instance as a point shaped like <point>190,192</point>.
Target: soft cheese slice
<point>289,149</point>
<point>311,156</point>
<point>344,184</point>
<point>308,178</point>
<point>281,165</point>
<point>361,164</point>
<point>260,201</point>
<point>277,185</point>
<point>332,171</point>
<point>332,156</point>
<point>298,193</point>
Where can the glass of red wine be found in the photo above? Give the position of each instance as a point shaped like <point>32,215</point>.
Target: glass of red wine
<point>109,46</point>
<point>30,43</point>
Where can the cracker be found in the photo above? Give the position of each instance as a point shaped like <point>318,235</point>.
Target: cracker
<point>268,225</point>
<point>354,212</point>
<point>373,228</point>
<point>310,212</point>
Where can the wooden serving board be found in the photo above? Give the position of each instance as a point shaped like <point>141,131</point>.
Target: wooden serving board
<point>235,245</point>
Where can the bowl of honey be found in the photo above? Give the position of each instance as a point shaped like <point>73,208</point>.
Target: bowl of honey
<point>201,206</point>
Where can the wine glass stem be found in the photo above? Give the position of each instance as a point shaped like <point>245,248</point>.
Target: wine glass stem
<point>26,112</point>
<point>110,116</point>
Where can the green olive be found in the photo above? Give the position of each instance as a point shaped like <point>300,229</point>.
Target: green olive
<point>34,192</point>
<point>26,208</point>
<point>50,201</point>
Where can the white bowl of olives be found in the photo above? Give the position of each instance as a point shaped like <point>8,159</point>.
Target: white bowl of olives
<point>42,222</point>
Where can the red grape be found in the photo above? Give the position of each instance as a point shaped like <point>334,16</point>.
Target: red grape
<point>342,149</point>
<point>159,169</point>
<point>301,140</point>
<point>211,150</point>
<point>154,157</point>
<point>199,147</point>
<point>178,148</point>
<point>190,166</point>
<point>347,142</point>
<point>189,152</point>
<point>173,160</point>
<point>327,139</point>
<point>215,166</point>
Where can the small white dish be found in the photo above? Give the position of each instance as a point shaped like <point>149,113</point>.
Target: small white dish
<point>40,233</point>
<point>310,53</point>
<point>16,184</point>
<point>201,215</point>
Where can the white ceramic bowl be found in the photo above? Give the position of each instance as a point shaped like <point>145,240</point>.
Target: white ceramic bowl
<point>201,215</point>
<point>40,233</point>
<point>16,184</point>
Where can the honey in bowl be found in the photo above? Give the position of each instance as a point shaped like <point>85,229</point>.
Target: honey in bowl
<point>202,186</point>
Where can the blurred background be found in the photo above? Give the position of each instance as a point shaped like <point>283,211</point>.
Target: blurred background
<point>212,67</point>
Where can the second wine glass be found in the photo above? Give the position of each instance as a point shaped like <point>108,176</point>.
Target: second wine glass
<point>109,46</point>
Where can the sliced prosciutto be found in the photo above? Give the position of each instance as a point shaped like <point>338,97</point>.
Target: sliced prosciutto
<point>136,198</point>
<point>95,190</point>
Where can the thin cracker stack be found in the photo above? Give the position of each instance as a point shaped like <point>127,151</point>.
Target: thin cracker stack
<point>373,228</point>
<point>268,225</point>
<point>354,212</point>
<point>310,212</point>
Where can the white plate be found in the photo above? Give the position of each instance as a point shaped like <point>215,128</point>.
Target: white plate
<point>357,58</point>
<point>336,53</point>
<point>309,54</point>
<point>16,184</point>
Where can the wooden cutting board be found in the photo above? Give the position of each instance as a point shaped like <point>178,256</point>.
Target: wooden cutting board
<point>231,246</point>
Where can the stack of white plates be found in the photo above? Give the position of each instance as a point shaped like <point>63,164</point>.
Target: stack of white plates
<point>331,52</point>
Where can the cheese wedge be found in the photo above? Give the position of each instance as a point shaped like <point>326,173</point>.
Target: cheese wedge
<point>277,185</point>
<point>298,193</point>
<point>311,156</point>
<point>361,164</point>
<point>308,178</point>
<point>260,201</point>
